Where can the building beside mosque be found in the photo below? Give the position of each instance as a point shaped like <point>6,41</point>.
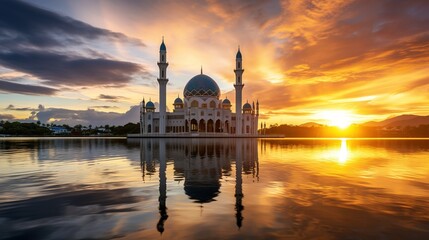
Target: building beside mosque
<point>200,111</point>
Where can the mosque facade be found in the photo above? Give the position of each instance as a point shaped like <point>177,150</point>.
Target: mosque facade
<point>201,110</point>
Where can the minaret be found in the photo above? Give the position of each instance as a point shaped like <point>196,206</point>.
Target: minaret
<point>142,118</point>
<point>238,92</point>
<point>162,80</point>
<point>257,107</point>
<point>257,116</point>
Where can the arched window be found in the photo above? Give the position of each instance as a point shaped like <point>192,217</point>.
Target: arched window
<point>202,113</point>
<point>194,125</point>
<point>162,58</point>
<point>212,104</point>
<point>194,104</point>
<point>210,125</point>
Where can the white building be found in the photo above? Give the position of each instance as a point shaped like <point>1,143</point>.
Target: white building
<point>201,110</point>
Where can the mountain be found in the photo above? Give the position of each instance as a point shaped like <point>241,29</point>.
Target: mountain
<point>311,124</point>
<point>400,121</point>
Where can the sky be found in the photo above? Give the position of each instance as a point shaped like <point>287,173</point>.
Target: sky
<point>92,62</point>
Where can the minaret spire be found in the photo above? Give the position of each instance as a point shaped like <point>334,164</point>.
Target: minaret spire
<point>201,69</point>
<point>238,91</point>
<point>162,80</point>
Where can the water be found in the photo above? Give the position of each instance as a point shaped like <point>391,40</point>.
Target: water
<point>214,189</point>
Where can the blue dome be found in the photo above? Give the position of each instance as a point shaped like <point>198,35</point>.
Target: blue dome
<point>226,102</point>
<point>178,101</point>
<point>247,106</point>
<point>202,86</point>
<point>150,104</point>
<point>162,48</point>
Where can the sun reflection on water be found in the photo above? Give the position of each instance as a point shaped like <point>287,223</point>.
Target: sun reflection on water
<point>343,154</point>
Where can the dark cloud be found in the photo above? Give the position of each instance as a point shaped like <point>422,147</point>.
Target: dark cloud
<point>109,97</point>
<point>6,86</point>
<point>23,24</point>
<point>43,44</point>
<point>6,116</point>
<point>61,69</point>
<point>12,107</point>
<point>103,107</point>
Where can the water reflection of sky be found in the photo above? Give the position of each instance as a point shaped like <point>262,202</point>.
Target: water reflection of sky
<point>214,188</point>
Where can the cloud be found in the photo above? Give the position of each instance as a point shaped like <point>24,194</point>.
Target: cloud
<point>110,98</point>
<point>61,69</point>
<point>89,116</point>
<point>46,45</point>
<point>6,116</point>
<point>23,24</point>
<point>103,107</point>
<point>6,86</point>
<point>13,108</point>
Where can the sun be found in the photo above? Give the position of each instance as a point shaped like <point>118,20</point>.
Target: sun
<point>338,118</point>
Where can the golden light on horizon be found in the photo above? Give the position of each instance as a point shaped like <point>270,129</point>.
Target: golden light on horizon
<point>337,118</point>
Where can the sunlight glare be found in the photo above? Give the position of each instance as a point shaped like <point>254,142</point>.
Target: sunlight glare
<point>341,119</point>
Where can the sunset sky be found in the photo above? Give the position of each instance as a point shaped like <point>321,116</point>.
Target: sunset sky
<point>92,62</point>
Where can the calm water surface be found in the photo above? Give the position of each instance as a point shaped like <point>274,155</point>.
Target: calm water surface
<point>214,189</point>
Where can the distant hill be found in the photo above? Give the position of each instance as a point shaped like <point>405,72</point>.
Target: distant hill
<point>401,121</point>
<point>311,124</point>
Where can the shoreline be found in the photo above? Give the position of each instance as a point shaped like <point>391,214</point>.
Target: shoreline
<point>257,137</point>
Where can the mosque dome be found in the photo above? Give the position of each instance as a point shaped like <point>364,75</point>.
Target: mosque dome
<point>150,105</point>
<point>201,86</point>
<point>178,101</point>
<point>247,106</point>
<point>226,102</point>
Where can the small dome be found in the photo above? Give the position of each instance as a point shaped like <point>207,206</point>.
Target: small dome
<point>238,56</point>
<point>247,106</point>
<point>150,105</point>
<point>162,48</point>
<point>202,86</point>
<point>226,102</point>
<point>178,101</point>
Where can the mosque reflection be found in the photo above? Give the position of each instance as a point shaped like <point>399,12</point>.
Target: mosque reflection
<point>201,163</point>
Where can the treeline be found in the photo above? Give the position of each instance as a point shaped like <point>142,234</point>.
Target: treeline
<point>37,129</point>
<point>23,129</point>
<point>352,131</point>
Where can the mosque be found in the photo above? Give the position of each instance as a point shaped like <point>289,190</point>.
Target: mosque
<point>201,111</point>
